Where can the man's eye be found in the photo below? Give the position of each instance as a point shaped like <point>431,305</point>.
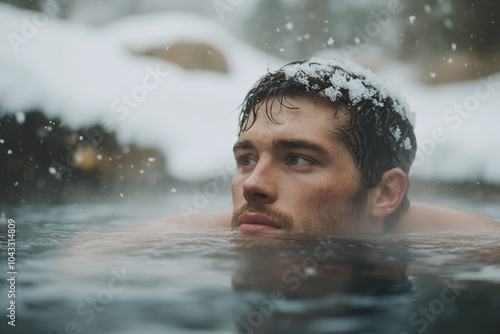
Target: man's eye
<point>248,161</point>
<point>300,161</point>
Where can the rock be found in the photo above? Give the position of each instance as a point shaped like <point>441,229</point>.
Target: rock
<point>451,66</point>
<point>44,160</point>
<point>191,56</point>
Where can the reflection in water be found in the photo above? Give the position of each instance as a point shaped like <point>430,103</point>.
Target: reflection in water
<point>312,284</point>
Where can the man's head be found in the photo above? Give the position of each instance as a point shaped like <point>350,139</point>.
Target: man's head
<point>324,147</point>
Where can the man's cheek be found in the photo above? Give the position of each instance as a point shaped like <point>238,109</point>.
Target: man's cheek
<point>237,192</point>
<point>323,198</point>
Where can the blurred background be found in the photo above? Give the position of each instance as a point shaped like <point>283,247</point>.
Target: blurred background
<point>131,97</point>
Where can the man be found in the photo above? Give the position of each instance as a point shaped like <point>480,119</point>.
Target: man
<point>325,147</point>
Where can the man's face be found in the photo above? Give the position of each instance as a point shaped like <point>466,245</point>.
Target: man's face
<point>294,175</point>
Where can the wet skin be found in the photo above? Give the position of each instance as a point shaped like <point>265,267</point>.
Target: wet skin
<point>293,175</point>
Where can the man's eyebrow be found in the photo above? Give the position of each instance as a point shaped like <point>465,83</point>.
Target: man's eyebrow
<point>299,143</point>
<point>283,144</point>
<point>243,145</point>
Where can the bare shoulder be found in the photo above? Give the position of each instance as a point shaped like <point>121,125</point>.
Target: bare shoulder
<point>203,220</point>
<point>421,217</point>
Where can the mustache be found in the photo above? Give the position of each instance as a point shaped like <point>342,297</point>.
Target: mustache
<point>284,220</point>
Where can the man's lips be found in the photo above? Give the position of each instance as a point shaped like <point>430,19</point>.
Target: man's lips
<point>257,222</point>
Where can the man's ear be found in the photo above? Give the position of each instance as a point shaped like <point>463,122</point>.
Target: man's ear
<point>389,193</point>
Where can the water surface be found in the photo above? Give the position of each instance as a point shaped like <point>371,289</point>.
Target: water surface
<point>75,278</point>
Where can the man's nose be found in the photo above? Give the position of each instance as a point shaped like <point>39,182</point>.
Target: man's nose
<point>261,184</point>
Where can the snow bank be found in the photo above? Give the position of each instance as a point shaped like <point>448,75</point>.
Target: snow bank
<point>456,128</point>
<point>80,73</point>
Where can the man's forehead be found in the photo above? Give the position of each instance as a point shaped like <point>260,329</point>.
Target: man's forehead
<point>299,119</point>
<point>305,119</point>
<point>278,111</point>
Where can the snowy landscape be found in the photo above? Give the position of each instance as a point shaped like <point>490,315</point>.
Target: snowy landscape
<point>87,75</point>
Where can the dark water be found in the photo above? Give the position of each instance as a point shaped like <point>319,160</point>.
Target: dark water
<point>73,279</point>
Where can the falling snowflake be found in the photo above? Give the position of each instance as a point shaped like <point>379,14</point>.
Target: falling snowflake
<point>20,117</point>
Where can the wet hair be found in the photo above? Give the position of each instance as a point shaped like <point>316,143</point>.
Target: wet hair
<point>379,130</point>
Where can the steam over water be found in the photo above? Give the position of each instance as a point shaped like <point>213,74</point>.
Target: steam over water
<point>72,277</point>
